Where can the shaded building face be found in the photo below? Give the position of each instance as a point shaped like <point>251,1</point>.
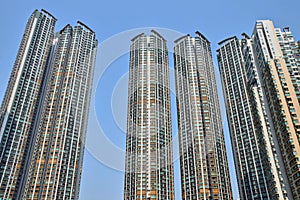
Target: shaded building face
<point>149,167</point>
<point>21,101</point>
<point>260,76</point>
<point>55,168</point>
<point>49,89</point>
<point>250,128</point>
<point>277,67</point>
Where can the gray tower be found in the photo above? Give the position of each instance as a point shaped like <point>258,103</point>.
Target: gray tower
<point>149,166</point>
<point>203,159</point>
<point>56,163</point>
<point>44,113</point>
<point>21,101</point>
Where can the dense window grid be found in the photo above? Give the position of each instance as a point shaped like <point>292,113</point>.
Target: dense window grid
<point>203,159</point>
<point>266,67</point>
<point>256,161</point>
<point>49,90</point>
<point>21,101</point>
<point>277,76</point>
<point>149,165</point>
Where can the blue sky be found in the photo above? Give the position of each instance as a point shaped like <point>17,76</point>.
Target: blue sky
<point>216,19</point>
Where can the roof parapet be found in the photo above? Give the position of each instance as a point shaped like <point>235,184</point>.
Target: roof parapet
<point>227,39</point>
<point>157,33</point>
<point>85,26</point>
<point>182,37</point>
<point>202,36</point>
<point>135,37</point>
<point>64,28</point>
<point>246,36</point>
<point>47,13</point>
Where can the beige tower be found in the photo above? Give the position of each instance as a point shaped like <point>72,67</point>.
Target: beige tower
<point>274,59</point>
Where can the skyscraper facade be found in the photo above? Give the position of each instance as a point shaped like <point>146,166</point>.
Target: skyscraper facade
<point>203,159</point>
<point>55,168</point>
<point>261,77</point>
<point>149,166</point>
<point>290,52</point>
<point>275,65</point>
<point>53,155</point>
<point>256,160</point>
<point>21,101</point>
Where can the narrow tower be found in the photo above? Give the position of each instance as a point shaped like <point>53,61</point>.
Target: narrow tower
<point>21,101</point>
<point>149,167</point>
<point>203,159</point>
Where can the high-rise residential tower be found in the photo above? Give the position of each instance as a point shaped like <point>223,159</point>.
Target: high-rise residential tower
<point>261,86</point>
<point>290,51</point>
<point>203,158</point>
<point>55,168</point>
<point>21,101</point>
<point>278,71</point>
<point>149,166</point>
<point>53,155</point>
<point>259,173</point>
